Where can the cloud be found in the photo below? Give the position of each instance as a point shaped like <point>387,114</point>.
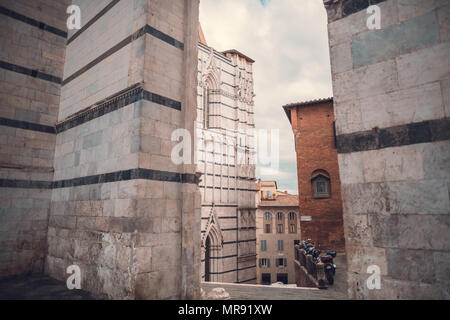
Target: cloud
<point>289,42</point>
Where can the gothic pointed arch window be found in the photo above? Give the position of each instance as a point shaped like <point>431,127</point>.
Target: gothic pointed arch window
<point>208,90</point>
<point>212,245</point>
<point>206,107</point>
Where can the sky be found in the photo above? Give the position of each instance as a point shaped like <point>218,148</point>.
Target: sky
<point>289,42</point>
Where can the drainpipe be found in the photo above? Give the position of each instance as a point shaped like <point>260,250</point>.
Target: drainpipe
<point>237,245</point>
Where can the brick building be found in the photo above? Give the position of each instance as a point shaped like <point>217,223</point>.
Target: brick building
<point>318,173</point>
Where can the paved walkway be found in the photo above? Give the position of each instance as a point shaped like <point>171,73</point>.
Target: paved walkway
<point>38,287</point>
<point>261,292</point>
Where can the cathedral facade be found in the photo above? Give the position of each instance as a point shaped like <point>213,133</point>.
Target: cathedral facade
<point>225,147</point>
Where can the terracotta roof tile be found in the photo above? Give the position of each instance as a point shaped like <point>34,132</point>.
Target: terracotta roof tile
<point>282,200</point>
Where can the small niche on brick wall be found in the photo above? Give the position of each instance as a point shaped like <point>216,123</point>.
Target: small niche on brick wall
<point>320,184</point>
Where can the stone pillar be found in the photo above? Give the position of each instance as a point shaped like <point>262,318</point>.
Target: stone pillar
<point>392,103</point>
<point>32,45</point>
<point>191,204</point>
<point>121,209</point>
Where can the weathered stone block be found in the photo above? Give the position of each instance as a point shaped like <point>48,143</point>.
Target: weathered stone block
<point>411,231</point>
<point>361,257</point>
<point>144,259</point>
<point>445,86</point>
<point>165,256</point>
<point>125,207</point>
<point>425,65</point>
<point>393,164</point>
<point>343,30</point>
<point>441,262</point>
<point>411,265</point>
<point>92,140</point>
<point>146,284</point>
<point>124,259</point>
<point>395,40</point>
<point>348,117</point>
<point>436,160</point>
<point>366,81</point>
<point>341,56</point>
<point>357,230</point>
<point>402,107</point>
<point>122,224</point>
<point>443,15</point>
<point>408,9</point>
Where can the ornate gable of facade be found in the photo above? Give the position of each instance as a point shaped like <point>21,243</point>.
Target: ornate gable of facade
<point>210,70</point>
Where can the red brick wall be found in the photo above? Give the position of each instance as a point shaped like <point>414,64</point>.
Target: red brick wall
<point>315,146</point>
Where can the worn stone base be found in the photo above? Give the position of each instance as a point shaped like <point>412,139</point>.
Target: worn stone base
<point>38,287</point>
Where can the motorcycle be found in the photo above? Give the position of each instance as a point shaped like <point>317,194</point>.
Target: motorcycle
<point>304,244</point>
<point>315,253</point>
<point>309,248</point>
<point>330,266</point>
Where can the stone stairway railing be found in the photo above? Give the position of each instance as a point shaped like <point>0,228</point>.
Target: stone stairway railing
<point>309,271</point>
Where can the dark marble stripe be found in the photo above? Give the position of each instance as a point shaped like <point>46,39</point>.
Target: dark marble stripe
<point>139,33</point>
<point>403,135</point>
<point>221,258</point>
<point>27,125</point>
<point>117,101</point>
<point>156,98</point>
<point>93,20</point>
<point>229,229</point>
<point>239,241</point>
<point>228,188</point>
<point>231,74</point>
<point>223,230</point>
<point>164,37</point>
<point>222,217</point>
<point>29,72</point>
<point>230,177</point>
<point>228,106</point>
<point>105,55</point>
<point>221,164</point>
<point>112,103</point>
<point>32,22</point>
<point>124,175</point>
<point>221,205</point>
<point>228,271</point>
<point>217,153</point>
<point>222,116</point>
<point>25,184</point>
<point>230,85</point>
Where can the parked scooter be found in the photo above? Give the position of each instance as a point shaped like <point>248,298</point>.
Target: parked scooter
<point>304,244</point>
<point>315,253</point>
<point>330,266</point>
<point>309,248</point>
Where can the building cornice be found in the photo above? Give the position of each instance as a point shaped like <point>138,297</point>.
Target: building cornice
<point>287,108</point>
